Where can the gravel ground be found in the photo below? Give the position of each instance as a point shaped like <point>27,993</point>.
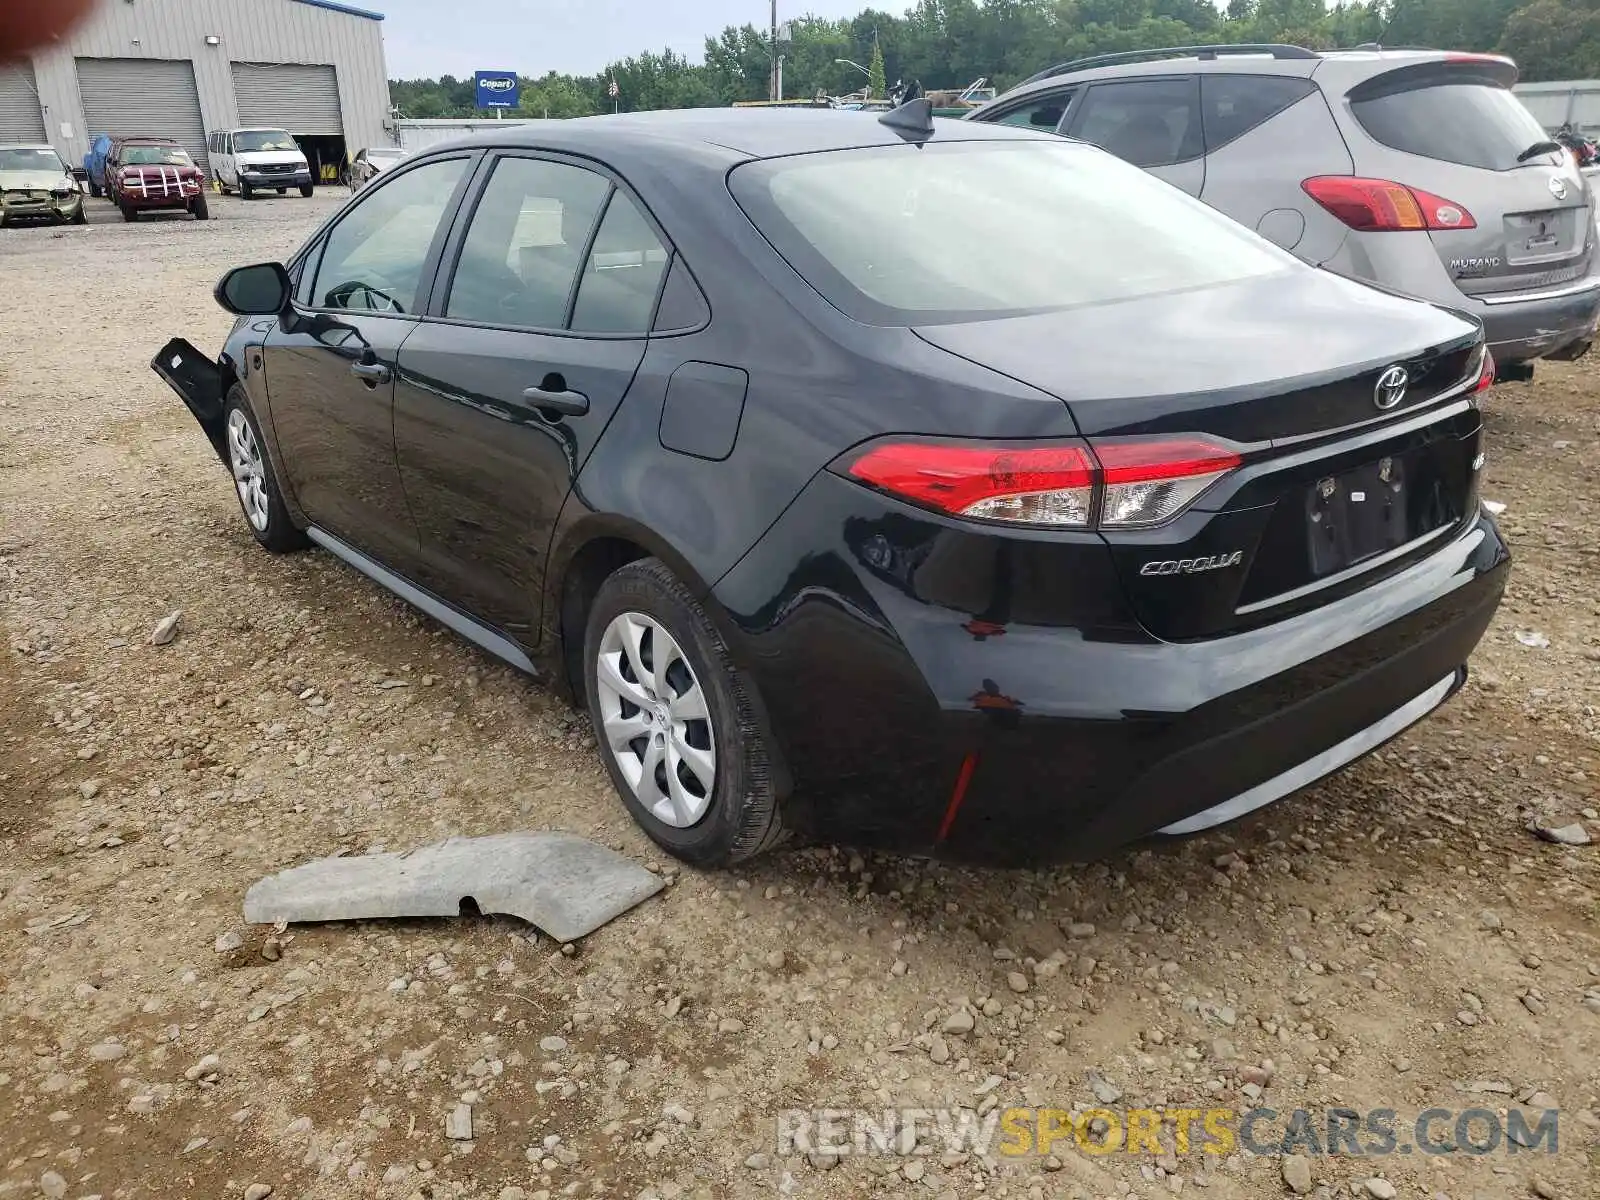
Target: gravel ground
<point>1396,938</point>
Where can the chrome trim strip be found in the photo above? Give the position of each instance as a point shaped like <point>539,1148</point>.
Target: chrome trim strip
<point>1424,418</point>
<point>1326,763</point>
<point>1589,284</point>
<point>1360,568</point>
<point>479,634</point>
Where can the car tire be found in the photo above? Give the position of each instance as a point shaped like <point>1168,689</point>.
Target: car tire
<point>308,190</point>
<point>81,217</point>
<point>129,214</point>
<point>638,609</point>
<point>96,190</point>
<point>283,191</point>
<point>246,192</point>
<point>255,482</point>
<point>201,208</point>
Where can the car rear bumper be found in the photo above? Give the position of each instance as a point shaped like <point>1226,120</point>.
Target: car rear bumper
<point>910,726</point>
<point>1519,326</point>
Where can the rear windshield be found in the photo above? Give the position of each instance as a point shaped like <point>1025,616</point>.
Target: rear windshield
<point>902,235</point>
<point>1473,124</point>
<point>262,139</point>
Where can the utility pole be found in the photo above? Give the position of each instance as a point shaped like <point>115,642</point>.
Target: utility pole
<point>772,82</point>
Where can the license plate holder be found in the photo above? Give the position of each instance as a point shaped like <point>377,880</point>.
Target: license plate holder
<point>1357,515</point>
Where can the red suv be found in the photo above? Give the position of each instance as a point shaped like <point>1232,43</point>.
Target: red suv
<point>154,173</point>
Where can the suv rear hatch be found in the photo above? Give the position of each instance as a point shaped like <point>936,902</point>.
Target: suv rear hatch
<point>1506,207</point>
<point>1339,479</point>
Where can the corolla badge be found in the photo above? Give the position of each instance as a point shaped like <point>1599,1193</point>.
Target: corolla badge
<point>1558,187</point>
<point>1391,387</point>
<point>1192,566</point>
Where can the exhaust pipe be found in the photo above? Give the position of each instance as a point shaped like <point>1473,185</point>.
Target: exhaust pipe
<point>1515,372</point>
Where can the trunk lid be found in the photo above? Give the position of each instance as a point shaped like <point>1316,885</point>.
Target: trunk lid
<point>1334,491</point>
<point>1454,129</point>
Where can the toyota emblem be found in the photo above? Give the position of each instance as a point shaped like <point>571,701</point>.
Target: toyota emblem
<point>1391,387</point>
<point>1558,187</point>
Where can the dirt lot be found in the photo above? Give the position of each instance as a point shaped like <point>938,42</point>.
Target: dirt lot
<point>1394,939</point>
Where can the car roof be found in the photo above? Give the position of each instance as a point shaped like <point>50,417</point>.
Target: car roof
<point>1347,65</point>
<point>747,133</point>
<point>146,140</point>
<point>26,146</point>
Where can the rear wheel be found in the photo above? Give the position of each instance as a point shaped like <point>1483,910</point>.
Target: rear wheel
<point>675,720</point>
<point>254,480</point>
<point>201,208</point>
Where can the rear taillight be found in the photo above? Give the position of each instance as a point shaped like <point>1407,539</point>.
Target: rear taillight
<point>1485,372</point>
<point>1383,206</point>
<point>1134,484</point>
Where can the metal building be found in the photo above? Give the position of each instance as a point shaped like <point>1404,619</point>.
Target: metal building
<point>1557,102</point>
<point>182,68</point>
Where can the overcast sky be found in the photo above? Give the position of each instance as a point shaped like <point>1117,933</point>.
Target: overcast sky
<point>429,38</point>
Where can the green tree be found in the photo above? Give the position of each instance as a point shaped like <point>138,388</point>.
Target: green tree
<point>877,75</point>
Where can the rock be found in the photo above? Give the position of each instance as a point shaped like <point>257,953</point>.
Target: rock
<point>458,1124</point>
<point>758,1161</point>
<point>209,1065</point>
<point>513,1192</point>
<point>1490,919</point>
<point>822,1162</point>
<point>1380,1189</point>
<point>258,1191</point>
<point>939,1049</point>
<point>1080,929</point>
<point>730,1025</point>
<point>1296,1169</point>
<point>1467,1017</point>
<point>1222,1050</point>
<point>678,1113</point>
<point>1543,1188</point>
<point>1016,981</point>
<point>52,1185</point>
<point>776,960</point>
<point>89,789</point>
<point>228,942</point>
<point>1104,1090</point>
<point>914,1170</point>
<point>107,1051</point>
<point>166,629</point>
<point>552,1044</point>
<point>1566,835</point>
<point>960,1021</point>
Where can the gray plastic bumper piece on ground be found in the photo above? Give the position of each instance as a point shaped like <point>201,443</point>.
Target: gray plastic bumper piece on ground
<point>565,885</point>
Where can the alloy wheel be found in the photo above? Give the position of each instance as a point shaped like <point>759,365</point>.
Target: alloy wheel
<point>249,473</point>
<point>656,721</point>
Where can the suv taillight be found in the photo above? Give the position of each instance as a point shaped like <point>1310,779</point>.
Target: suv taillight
<point>1137,483</point>
<point>1383,206</point>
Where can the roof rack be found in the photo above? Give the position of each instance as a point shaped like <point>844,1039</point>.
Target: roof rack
<point>1376,46</point>
<point>1203,52</point>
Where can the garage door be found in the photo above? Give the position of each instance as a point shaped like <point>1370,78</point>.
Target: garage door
<point>20,119</point>
<point>143,97</point>
<point>301,98</point>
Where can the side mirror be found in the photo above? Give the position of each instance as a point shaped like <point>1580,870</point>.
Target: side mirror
<point>262,290</point>
<point>81,174</point>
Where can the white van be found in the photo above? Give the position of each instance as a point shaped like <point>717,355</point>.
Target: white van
<point>251,161</point>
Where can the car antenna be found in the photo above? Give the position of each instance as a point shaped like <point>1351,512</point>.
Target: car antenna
<point>913,120</point>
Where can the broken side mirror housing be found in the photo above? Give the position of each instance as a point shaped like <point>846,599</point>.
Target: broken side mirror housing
<point>261,290</point>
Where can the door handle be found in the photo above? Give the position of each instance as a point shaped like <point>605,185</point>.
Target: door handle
<point>373,373</point>
<point>557,403</point>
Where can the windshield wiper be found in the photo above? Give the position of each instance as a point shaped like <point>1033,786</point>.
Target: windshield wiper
<point>1539,148</point>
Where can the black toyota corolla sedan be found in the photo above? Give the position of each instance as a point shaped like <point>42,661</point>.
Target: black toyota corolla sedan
<point>936,486</point>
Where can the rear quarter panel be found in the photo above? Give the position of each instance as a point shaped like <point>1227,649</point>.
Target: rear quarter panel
<point>1260,173</point>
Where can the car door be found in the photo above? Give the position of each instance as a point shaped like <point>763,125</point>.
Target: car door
<point>1151,123</point>
<point>330,363</point>
<point>532,340</point>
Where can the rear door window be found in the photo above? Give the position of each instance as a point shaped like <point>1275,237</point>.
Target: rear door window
<point>1149,123</point>
<point>1232,105</point>
<point>1473,124</point>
